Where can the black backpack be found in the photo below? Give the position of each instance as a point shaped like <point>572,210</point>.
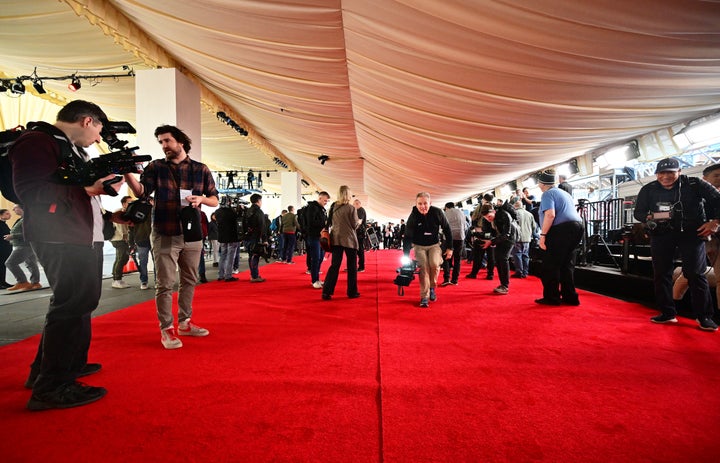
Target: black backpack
<point>8,139</point>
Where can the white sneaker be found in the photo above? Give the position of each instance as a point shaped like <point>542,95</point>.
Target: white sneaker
<point>187,328</point>
<point>169,339</point>
<point>318,284</point>
<point>120,284</point>
<point>143,286</point>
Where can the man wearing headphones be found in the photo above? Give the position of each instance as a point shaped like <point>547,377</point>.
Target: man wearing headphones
<point>675,210</point>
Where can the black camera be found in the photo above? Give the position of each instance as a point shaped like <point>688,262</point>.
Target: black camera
<point>660,220</point>
<point>122,161</point>
<point>405,274</point>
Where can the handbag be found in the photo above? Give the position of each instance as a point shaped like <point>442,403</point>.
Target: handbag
<point>191,226</point>
<point>325,240</point>
<point>108,226</point>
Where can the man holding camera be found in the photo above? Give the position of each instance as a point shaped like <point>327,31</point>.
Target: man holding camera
<point>675,210</point>
<point>61,226</point>
<point>180,185</point>
<point>423,235</point>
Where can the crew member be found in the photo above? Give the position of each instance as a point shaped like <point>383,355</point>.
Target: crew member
<point>675,215</point>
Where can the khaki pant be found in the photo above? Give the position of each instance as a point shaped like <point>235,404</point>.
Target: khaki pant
<point>429,259</point>
<point>171,254</point>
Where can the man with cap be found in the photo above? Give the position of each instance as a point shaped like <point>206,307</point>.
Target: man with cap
<point>675,209</point>
<point>561,232</point>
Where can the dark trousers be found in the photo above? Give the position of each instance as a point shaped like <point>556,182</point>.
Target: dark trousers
<point>334,270</point>
<point>692,251</point>
<point>453,263</point>
<point>558,265</point>
<point>315,255</point>
<point>122,255</point>
<point>361,251</point>
<point>477,254</point>
<point>5,251</point>
<point>75,275</point>
<point>289,240</point>
<point>502,262</point>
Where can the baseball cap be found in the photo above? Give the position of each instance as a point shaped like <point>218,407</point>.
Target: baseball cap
<point>668,165</point>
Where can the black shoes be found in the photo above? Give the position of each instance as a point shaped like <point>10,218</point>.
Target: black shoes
<point>470,275</point>
<point>228,280</point>
<point>326,297</point>
<point>66,395</point>
<point>445,283</point>
<point>433,296</point>
<point>707,324</point>
<point>664,318</point>
<point>354,296</point>
<point>88,369</point>
<point>545,301</point>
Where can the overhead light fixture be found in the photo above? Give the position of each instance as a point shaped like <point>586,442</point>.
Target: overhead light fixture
<point>17,87</point>
<point>323,159</point>
<point>304,182</point>
<point>38,85</point>
<point>704,129</point>
<point>469,201</point>
<point>74,86</point>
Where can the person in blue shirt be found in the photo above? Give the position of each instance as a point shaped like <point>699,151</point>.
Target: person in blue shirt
<point>561,232</point>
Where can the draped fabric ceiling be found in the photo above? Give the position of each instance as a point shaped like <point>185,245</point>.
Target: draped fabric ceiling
<point>453,97</point>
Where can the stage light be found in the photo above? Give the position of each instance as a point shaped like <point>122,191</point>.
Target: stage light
<point>38,85</point>
<point>469,201</point>
<point>304,182</point>
<point>323,159</point>
<point>74,86</point>
<point>17,87</point>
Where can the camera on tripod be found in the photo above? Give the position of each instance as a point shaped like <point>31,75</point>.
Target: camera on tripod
<point>122,161</point>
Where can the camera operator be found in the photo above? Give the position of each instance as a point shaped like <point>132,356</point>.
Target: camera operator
<point>674,209</point>
<point>61,225</point>
<point>422,233</point>
<point>506,235</point>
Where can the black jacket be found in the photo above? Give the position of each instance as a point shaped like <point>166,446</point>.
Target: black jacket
<point>693,201</point>
<point>424,230</point>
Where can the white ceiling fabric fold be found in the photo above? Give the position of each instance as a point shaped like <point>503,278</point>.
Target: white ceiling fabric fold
<point>453,97</point>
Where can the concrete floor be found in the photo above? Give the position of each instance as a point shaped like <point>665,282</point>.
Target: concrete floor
<point>22,314</point>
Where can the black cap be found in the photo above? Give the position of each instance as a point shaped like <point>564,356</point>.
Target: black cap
<point>668,165</point>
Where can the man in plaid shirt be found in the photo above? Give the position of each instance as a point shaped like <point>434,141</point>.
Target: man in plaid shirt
<point>177,181</point>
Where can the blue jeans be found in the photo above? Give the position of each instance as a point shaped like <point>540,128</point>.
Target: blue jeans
<point>227,259</point>
<point>521,258</point>
<point>142,253</point>
<point>315,254</point>
<point>289,240</point>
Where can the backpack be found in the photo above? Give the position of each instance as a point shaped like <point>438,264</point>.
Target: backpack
<point>302,218</point>
<point>8,139</point>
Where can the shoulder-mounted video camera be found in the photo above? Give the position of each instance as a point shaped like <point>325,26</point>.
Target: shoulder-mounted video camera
<point>121,161</point>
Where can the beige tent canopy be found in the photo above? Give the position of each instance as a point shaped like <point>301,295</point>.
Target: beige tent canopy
<point>453,97</point>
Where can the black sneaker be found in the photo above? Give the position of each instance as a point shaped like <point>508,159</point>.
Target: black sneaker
<point>424,303</point>
<point>87,370</point>
<point>445,283</point>
<point>471,276</point>
<point>546,301</point>
<point>707,324</point>
<point>664,318</point>
<point>433,296</point>
<point>454,282</point>
<point>67,395</point>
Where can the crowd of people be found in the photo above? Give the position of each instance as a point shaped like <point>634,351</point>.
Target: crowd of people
<point>62,227</point>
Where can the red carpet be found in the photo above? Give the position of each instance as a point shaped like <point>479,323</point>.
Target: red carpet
<point>287,377</point>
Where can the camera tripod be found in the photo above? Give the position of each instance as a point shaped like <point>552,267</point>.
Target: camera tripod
<point>590,244</point>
